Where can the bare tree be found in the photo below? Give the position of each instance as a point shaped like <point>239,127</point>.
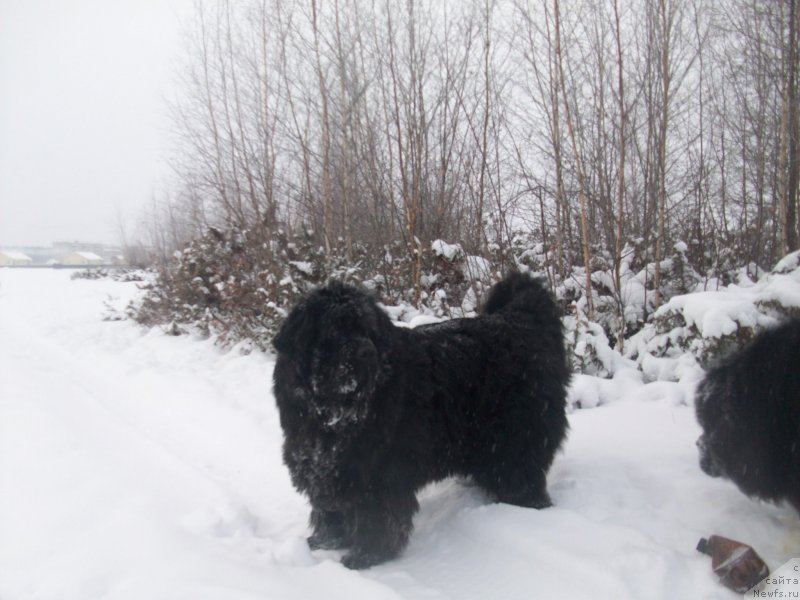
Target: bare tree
<point>385,124</point>
<point>618,247</point>
<point>788,156</point>
<point>665,15</point>
<point>578,165</point>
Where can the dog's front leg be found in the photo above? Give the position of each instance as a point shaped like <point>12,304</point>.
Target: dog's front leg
<point>332,530</point>
<point>382,528</point>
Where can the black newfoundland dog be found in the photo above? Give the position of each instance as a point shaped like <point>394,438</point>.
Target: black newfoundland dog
<point>372,412</point>
<point>749,408</point>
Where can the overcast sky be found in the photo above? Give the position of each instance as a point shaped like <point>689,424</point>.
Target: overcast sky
<point>83,130</point>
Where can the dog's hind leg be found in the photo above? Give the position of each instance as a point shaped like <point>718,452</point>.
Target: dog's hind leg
<point>513,474</point>
<point>382,529</point>
<point>511,460</point>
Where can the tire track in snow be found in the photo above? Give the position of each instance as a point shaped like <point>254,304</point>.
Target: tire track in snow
<point>67,410</point>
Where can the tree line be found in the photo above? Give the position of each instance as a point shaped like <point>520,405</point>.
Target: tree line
<point>597,127</point>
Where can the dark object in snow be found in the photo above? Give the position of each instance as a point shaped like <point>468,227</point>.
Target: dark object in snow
<point>372,412</point>
<point>749,408</point>
<point>737,565</point>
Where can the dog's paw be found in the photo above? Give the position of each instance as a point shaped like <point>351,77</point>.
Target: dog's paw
<point>535,500</point>
<point>325,542</point>
<point>541,502</point>
<point>360,559</point>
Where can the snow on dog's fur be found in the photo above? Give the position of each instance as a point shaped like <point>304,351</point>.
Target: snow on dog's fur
<point>749,408</point>
<point>372,412</point>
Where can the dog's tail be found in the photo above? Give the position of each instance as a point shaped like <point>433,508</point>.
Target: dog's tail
<point>521,292</point>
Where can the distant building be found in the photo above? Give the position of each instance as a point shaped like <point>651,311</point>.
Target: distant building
<point>75,254</point>
<point>38,254</point>
<point>82,259</point>
<point>64,252</point>
<point>64,248</point>
<point>11,258</point>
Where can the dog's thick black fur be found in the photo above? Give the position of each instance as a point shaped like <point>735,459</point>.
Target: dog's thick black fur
<point>749,408</point>
<point>372,412</point>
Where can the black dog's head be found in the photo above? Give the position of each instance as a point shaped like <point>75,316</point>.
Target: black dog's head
<point>331,342</point>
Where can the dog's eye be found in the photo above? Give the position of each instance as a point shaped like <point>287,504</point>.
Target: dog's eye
<point>366,351</point>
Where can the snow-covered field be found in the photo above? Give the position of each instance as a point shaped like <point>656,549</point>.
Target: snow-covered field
<point>135,465</point>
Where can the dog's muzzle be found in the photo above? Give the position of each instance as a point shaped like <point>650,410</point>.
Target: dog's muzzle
<point>708,463</point>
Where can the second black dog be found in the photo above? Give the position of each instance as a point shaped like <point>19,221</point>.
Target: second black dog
<point>372,412</point>
<point>749,408</point>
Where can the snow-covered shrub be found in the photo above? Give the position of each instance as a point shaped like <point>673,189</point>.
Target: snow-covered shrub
<point>117,274</point>
<point>788,265</point>
<point>588,347</point>
<point>711,324</point>
<point>454,281</point>
<point>717,334</point>
<point>237,286</point>
<point>626,305</point>
<point>97,273</point>
<point>131,275</point>
<point>229,285</point>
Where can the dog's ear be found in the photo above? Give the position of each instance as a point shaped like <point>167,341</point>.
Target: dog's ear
<point>294,327</point>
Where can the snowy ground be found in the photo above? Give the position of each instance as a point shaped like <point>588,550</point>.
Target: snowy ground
<point>134,465</point>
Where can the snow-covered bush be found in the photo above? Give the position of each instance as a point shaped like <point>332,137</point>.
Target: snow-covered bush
<point>238,287</point>
<point>455,282</point>
<point>588,347</point>
<point>91,274</point>
<point>228,285</point>
<point>117,274</point>
<point>711,324</point>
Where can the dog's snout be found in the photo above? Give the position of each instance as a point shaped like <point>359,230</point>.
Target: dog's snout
<point>708,465</point>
